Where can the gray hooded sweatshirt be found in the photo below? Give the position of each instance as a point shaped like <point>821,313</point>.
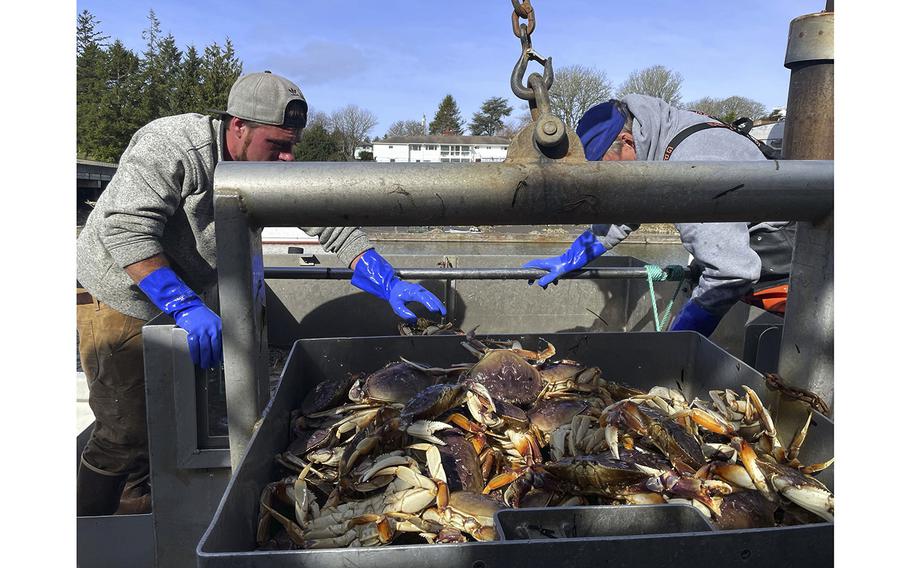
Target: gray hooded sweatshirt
<point>160,200</point>
<point>731,267</point>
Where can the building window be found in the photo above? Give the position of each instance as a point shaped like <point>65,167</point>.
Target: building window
<point>431,147</point>
<point>489,148</point>
<point>415,147</point>
<point>418,161</point>
<point>391,160</point>
<point>391,147</point>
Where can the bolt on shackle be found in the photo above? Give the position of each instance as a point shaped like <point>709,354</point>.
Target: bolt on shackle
<point>549,130</point>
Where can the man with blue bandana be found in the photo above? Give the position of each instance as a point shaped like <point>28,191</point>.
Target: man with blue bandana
<point>737,260</point>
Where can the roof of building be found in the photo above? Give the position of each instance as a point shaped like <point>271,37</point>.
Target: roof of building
<point>478,140</point>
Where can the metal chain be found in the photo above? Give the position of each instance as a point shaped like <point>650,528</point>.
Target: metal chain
<point>549,131</point>
<point>523,9</point>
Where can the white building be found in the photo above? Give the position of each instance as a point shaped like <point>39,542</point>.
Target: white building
<point>771,133</point>
<point>441,149</point>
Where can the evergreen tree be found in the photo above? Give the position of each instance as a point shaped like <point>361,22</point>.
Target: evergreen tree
<point>448,118</point>
<point>488,121</point>
<point>187,96</point>
<point>118,92</point>
<point>169,66</point>
<point>319,145</point>
<point>120,106</point>
<point>220,68</point>
<point>154,91</point>
<point>90,84</point>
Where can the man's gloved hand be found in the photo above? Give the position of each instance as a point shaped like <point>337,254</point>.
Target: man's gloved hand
<point>375,275</point>
<point>172,296</point>
<point>585,249</point>
<point>693,317</point>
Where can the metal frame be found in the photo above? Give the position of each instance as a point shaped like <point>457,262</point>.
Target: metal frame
<point>251,195</point>
<point>187,482</point>
<point>319,273</point>
<point>807,342</point>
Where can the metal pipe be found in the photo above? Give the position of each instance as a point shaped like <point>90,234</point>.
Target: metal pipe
<point>320,273</point>
<point>807,342</point>
<point>373,195</point>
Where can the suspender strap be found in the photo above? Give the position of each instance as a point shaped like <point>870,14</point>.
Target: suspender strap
<point>738,127</point>
<point>686,132</point>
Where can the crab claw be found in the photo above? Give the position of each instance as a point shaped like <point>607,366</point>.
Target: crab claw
<point>425,430</point>
<point>380,465</point>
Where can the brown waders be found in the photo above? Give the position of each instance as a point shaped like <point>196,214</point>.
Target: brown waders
<point>116,455</point>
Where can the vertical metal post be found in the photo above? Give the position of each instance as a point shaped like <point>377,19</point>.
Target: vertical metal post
<point>241,291</point>
<point>807,344</point>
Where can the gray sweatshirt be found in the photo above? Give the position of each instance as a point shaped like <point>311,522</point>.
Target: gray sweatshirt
<point>160,200</point>
<point>731,267</point>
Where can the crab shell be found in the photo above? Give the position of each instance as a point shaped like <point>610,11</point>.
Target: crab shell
<point>508,377</point>
<point>548,415</point>
<point>394,383</point>
<point>746,509</point>
<point>460,462</point>
<point>433,401</point>
<point>596,474</point>
<point>327,394</point>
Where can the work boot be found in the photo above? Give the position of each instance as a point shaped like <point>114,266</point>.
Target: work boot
<point>97,492</point>
<point>135,505</point>
<point>136,498</point>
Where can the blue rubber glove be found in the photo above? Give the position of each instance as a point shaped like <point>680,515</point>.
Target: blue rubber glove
<point>693,317</point>
<point>375,275</point>
<point>172,296</point>
<point>585,249</point>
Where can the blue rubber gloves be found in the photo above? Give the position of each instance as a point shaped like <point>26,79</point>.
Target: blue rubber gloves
<point>375,275</point>
<point>693,317</point>
<point>172,296</point>
<point>585,249</point>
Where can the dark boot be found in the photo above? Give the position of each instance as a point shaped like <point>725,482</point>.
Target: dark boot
<point>135,505</point>
<point>97,493</point>
<point>136,498</point>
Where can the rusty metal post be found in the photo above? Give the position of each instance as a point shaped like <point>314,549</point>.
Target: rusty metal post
<point>807,344</point>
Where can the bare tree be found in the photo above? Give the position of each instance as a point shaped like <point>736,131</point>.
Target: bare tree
<point>656,81</point>
<point>319,118</point>
<point>729,109</point>
<point>575,89</point>
<point>354,125</point>
<point>511,128</point>
<point>405,128</point>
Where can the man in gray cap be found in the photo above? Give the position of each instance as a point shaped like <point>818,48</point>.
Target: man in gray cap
<point>149,247</point>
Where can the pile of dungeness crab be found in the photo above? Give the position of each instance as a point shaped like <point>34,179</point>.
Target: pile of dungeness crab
<point>413,454</point>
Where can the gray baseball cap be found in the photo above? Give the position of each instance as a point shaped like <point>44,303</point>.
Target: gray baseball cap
<point>262,97</point>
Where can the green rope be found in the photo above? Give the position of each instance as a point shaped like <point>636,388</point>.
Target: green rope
<point>674,272</point>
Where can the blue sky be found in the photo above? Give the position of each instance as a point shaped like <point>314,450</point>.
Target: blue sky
<point>399,58</point>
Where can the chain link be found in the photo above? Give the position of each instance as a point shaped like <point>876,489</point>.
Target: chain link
<point>523,9</point>
<point>548,131</point>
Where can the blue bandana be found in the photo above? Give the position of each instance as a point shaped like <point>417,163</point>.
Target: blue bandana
<point>598,128</point>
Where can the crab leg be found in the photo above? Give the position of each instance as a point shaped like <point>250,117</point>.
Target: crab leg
<point>798,438</point>
<point>710,421</point>
<point>815,468</point>
<point>750,462</point>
